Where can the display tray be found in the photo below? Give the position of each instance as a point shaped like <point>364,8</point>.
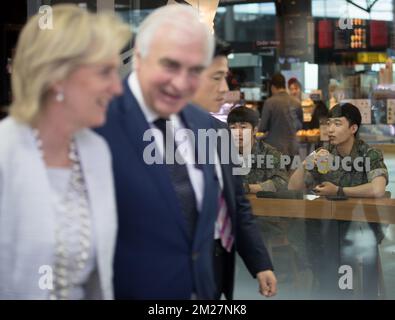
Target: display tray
<point>311,135</point>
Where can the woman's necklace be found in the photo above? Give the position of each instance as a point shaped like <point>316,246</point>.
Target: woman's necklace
<point>73,228</point>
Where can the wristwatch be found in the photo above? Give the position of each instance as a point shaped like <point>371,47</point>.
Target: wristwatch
<point>340,191</point>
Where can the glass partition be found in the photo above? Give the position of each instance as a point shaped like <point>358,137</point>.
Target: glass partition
<point>339,247</point>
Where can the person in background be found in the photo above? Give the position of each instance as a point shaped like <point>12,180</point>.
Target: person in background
<point>369,181</point>
<point>320,115</point>
<point>57,206</point>
<point>248,241</point>
<point>295,89</point>
<point>281,118</point>
<point>166,209</point>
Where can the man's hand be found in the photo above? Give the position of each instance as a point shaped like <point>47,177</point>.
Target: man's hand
<point>267,283</point>
<point>317,159</point>
<point>254,188</point>
<point>326,189</point>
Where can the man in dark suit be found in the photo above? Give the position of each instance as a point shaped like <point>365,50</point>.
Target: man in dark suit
<point>166,211</point>
<point>248,241</point>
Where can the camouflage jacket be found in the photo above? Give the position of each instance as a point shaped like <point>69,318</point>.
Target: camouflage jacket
<point>266,168</point>
<point>362,166</point>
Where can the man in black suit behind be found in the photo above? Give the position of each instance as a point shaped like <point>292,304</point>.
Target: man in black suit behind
<point>248,241</point>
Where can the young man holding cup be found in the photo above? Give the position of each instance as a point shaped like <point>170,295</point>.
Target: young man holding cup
<point>349,167</point>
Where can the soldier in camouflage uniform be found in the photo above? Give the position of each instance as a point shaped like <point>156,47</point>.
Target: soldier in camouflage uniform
<point>243,123</point>
<point>364,175</point>
<point>365,156</point>
<point>266,175</point>
<point>367,175</point>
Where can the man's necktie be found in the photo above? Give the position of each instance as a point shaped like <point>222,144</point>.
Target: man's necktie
<point>180,180</point>
<point>224,224</point>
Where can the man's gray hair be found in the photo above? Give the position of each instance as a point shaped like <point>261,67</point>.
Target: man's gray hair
<point>183,17</point>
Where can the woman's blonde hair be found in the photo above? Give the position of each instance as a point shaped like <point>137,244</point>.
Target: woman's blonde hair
<point>44,56</point>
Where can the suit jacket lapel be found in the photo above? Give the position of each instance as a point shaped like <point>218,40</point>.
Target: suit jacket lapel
<point>134,124</point>
<point>208,213</point>
<point>133,121</point>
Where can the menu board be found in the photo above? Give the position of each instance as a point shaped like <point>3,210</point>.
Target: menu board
<point>299,37</point>
<point>350,35</point>
<point>342,37</point>
<point>358,34</point>
<point>295,40</point>
<point>325,34</point>
<point>378,34</point>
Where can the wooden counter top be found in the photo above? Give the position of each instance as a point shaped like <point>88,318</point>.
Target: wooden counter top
<point>353,209</point>
<point>372,210</point>
<point>292,208</point>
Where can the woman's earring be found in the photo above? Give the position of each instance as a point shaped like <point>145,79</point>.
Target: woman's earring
<point>59,96</point>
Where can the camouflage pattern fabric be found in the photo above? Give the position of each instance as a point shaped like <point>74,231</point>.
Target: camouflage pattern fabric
<point>260,174</point>
<point>373,158</point>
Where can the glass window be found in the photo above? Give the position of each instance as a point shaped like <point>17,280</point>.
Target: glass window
<point>381,10</point>
<point>338,244</point>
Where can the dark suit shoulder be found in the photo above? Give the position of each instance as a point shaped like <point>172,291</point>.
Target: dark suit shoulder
<point>220,124</point>
<point>196,110</point>
<point>121,103</point>
<point>204,119</point>
<point>118,107</point>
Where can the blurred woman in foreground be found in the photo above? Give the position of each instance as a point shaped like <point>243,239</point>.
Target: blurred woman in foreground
<point>57,208</point>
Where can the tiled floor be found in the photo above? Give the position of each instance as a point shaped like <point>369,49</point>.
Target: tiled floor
<point>247,288</point>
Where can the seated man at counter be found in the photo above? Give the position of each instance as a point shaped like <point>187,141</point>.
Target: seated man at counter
<point>345,154</point>
<point>266,173</point>
<point>348,167</point>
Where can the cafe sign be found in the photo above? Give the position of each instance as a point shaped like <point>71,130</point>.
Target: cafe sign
<point>371,57</point>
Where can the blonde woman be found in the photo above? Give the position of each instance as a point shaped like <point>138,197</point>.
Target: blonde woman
<point>57,208</point>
